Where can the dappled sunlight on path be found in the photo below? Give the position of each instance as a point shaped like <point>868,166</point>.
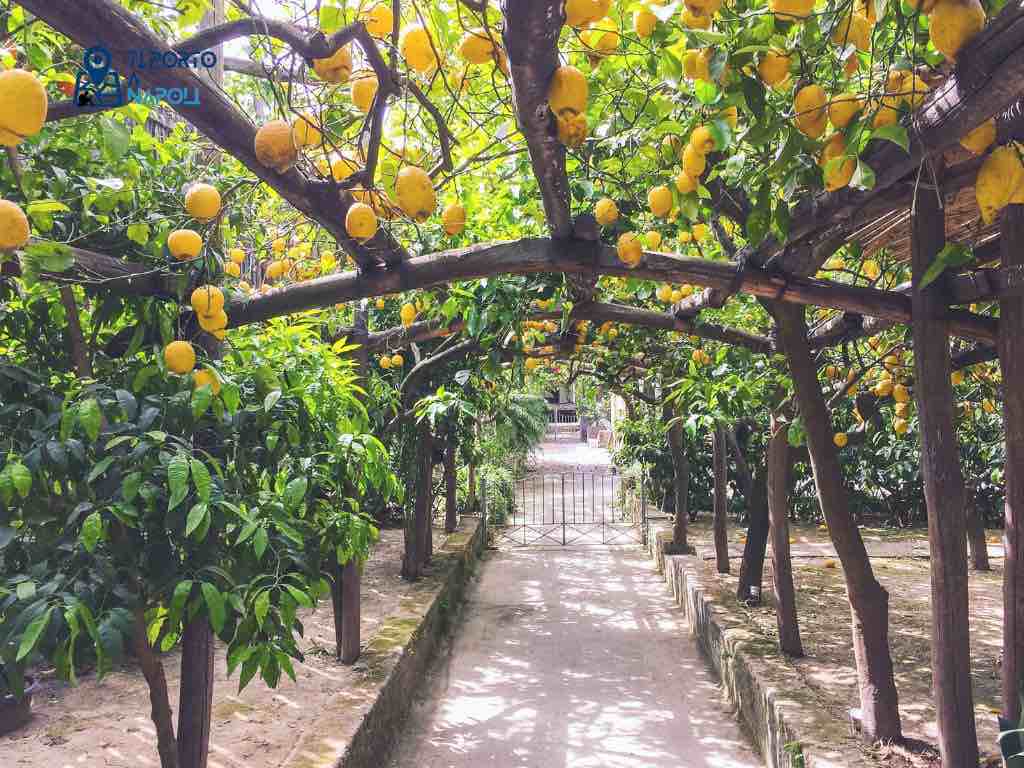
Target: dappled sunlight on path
<point>573,658</point>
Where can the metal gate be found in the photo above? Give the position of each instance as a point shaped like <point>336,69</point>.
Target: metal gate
<point>574,508</point>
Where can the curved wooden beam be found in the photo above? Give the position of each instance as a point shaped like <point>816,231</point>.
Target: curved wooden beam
<point>535,255</point>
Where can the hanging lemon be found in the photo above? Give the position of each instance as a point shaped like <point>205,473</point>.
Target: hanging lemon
<point>184,244</point>
<point>180,357</point>
<point>207,300</point>
<point>202,201</point>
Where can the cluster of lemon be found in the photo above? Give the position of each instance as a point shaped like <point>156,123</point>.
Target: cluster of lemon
<point>391,361</point>
<point>23,107</point>
<point>669,295</point>
<point>547,326</point>
<point>700,357</point>
<point>870,268</point>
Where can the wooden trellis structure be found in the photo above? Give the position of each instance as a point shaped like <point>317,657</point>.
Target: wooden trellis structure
<point>908,203</point>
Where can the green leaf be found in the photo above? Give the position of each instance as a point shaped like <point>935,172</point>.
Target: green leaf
<point>294,493</point>
<point>214,606</point>
<point>46,206</point>
<point>92,531</point>
<point>177,479</point>
<point>25,590</point>
<point>196,516</point>
<point>130,486</point>
<point>895,133</point>
<point>271,400</point>
<point>299,596</point>
<point>259,542</point>
<point>261,606</point>
<point>753,92</point>
<point>99,468</point>
<point>201,399</point>
<point>90,418</point>
<point>182,590</point>
<point>201,479</point>
<point>33,632</point>
<point>705,92</point>
<point>20,477</point>
<point>143,376</point>
<point>952,255</point>
<point>138,233</point>
<point>116,137</point>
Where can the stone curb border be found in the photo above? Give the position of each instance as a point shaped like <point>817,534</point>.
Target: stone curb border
<point>787,732</point>
<point>394,663</point>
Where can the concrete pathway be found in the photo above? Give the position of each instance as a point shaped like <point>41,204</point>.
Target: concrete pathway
<point>571,658</point>
<point>575,659</point>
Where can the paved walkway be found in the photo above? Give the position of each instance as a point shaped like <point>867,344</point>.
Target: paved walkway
<point>571,658</point>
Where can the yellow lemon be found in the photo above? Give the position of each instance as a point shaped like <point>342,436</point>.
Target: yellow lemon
<point>397,361</point>
<point>842,108</point>
<point>477,47</point>
<point>568,90</point>
<point>792,10</point>
<point>418,49</point>
<point>361,222</point>
<point>184,244</point>
<point>954,23</point>
<point>855,29</point>
<point>407,313</point>
<point>981,138</point>
<point>840,439</point>
<point>23,106</point>
<point>602,38</point>
<point>216,321</point>
<point>694,163</point>
<point>653,239</point>
<point>899,426</point>
<point>343,167</point>
<point>278,245</point>
<point>664,293</point>
<point>702,141</point>
<point>686,183</point>
<point>871,270</point>
<point>385,362</point>
<point>415,193</point>
<point>180,357</point>
<point>379,20</point>
<point>606,211</point>
<point>305,132</point>
<point>275,147</point>
<point>999,180</point>
<point>202,201</point>
<point>700,232</point>
<point>453,218</point>
<point>237,255</point>
<point>232,269</point>
<point>14,230</point>
<point>659,200</point>
<point>336,68</point>
<point>205,378</point>
<point>809,106</point>
<point>207,300</point>
<point>364,90</point>
<point>644,22</point>
<point>572,129</point>
<point>629,250</point>
<point>836,165</point>
<point>691,20</point>
<point>380,304</point>
<point>773,67</point>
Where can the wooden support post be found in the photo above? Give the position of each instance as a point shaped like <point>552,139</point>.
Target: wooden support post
<point>721,509</point>
<point>780,466</point>
<point>195,697</point>
<point>869,602</point>
<point>1011,358</point>
<point>943,490</point>
<point>977,546</point>
<point>451,481</point>
<point>680,483</point>
<point>351,610</point>
<point>755,495</point>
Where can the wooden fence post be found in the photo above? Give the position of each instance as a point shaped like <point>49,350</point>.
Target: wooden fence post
<point>780,465</point>
<point>450,487</point>
<point>943,490</point>
<point>680,483</point>
<point>1011,358</point>
<point>720,503</point>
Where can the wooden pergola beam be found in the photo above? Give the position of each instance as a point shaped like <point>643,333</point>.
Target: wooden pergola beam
<point>104,22</point>
<point>537,255</point>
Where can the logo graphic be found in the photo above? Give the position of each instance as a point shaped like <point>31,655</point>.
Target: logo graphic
<point>98,84</point>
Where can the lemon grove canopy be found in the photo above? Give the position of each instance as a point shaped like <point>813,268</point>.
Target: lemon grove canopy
<point>643,162</point>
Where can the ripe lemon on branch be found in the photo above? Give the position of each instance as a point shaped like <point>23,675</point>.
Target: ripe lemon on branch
<point>453,218</point>
<point>14,230</point>
<point>180,357</point>
<point>336,68</point>
<point>415,193</point>
<point>364,90</point>
<point>417,49</point>
<point>23,106</point>
<point>207,300</point>
<point>202,201</point>
<point>275,145</point>
<point>606,212</point>
<point>184,244</point>
<point>361,222</point>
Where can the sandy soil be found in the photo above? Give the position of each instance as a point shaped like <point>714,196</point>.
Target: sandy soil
<point>105,723</point>
<point>900,564</point>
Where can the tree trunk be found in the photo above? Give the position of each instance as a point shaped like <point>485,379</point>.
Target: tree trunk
<point>755,495</point>
<point>417,525</point>
<point>680,485</point>
<point>977,546</point>
<point>943,491</point>
<point>869,602</point>
<point>779,471</point>
<point>159,700</point>
<point>450,487</point>
<point>195,697</point>
<point>338,606</point>
<point>721,532</point>
<point>351,579</point>
<point>77,347</point>
<point>1011,357</point>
